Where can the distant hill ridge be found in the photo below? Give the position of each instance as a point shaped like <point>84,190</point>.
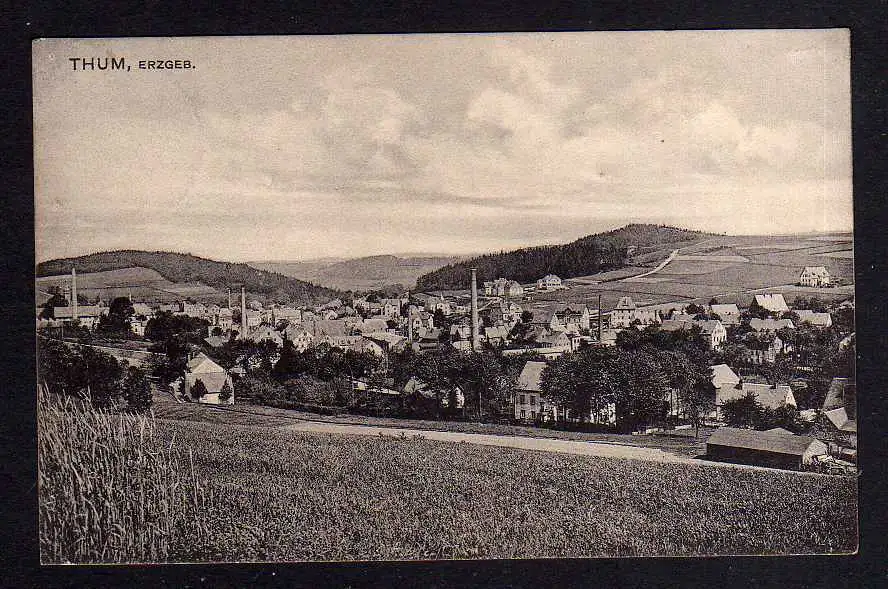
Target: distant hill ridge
<point>177,267</point>
<point>364,273</point>
<point>587,255</point>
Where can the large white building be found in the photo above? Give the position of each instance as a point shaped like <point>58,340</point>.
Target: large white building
<point>816,276</point>
<point>549,282</point>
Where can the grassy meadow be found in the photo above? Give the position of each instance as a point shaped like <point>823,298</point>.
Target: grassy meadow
<point>125,489</point>
<point>295,496</point>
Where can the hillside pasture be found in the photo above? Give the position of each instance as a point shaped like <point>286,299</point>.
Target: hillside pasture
<point>143,284</point>
<point>683,266</point>
<point>610,275</point>
<point>288,496</point>
<point>610,294</point>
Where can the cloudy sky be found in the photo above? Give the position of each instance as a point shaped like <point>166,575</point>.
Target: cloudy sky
<point>301,147</point>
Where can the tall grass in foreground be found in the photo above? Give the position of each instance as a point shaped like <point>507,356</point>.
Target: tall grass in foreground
<point>110,490</point>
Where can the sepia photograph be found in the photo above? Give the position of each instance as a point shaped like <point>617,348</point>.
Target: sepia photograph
<point>444,296</point>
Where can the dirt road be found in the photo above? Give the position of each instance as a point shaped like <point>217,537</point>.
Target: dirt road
<point>659,267</point>
<point>524,443</point>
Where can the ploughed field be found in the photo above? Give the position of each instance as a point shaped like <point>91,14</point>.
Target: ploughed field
<point>729,268</point>
<point>278,495</point>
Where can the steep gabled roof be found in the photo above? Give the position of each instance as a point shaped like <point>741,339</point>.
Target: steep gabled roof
<point>770,324</point>
<point>767,395</point>
<point>529,379</point>
<point>772,302</point>
<point>817,319</point>
<point>815,270</point>
<point>722,374</point>
<point>725,309</point>
<point>202,364</point>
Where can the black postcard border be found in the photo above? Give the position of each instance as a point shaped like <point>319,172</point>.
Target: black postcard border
<point>866,20</point>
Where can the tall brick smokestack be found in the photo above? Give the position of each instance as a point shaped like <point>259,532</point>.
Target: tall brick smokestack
<point>75,309</point>
<point>243,313</point>
<point>476,337</point>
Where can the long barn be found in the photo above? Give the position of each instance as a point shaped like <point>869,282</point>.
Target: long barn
<point>777,448</point>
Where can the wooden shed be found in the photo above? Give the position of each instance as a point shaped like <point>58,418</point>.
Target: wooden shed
<point>776,448</point>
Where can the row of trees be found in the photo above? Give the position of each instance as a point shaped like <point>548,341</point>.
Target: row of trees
<point>747,412</point>
<point>324,375</point>
<point>87,373</point>
<point>636,380</point>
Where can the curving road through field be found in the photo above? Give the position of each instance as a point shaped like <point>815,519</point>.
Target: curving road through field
<point>521,442</point>
<point>659,267</point>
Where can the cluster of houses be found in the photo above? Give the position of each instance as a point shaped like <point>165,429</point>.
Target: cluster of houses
<point>384,325</point>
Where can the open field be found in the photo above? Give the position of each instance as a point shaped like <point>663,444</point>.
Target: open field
<point>144,284</point>
<point>297,496</point>
<point>730,268</point>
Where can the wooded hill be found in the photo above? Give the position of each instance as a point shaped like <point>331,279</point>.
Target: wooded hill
<point>588,255</point>
<point>179,268</point>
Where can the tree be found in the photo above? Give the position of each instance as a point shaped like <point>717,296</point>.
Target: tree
<point>583,382</point>
<point>743,411</point>
<point>118,318</point>
<point>137,389</point>
<point>198,389</point>
<point>694,309</point>
<point>519,332</point>
<point>290,363</point>
<point>692,385</point>
<point>713,301</point>
<point>785,416</point>
<point>225,393</point>
<point>641,389</point>
<point>166,325</point>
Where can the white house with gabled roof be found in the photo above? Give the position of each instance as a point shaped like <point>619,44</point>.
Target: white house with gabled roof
<point>816,276</point>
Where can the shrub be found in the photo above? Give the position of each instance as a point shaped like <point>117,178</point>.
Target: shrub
<point>198,389</point>
<point>111,490</point>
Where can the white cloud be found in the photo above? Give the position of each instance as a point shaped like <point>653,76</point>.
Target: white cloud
<point>415,139</point>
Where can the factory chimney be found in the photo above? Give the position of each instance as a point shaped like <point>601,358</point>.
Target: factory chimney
<point>229,297</point>
<point>476,338</point>
<point>243,314</point>
<point>74,311</point>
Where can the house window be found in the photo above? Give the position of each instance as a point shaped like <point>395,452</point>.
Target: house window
<point>533,415</point>
<point>533,400</point>
<point>522,400</point>
<point>522,414</point>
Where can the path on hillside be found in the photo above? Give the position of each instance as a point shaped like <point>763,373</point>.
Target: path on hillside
<point>659,267</point>
<point>521,442</point>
